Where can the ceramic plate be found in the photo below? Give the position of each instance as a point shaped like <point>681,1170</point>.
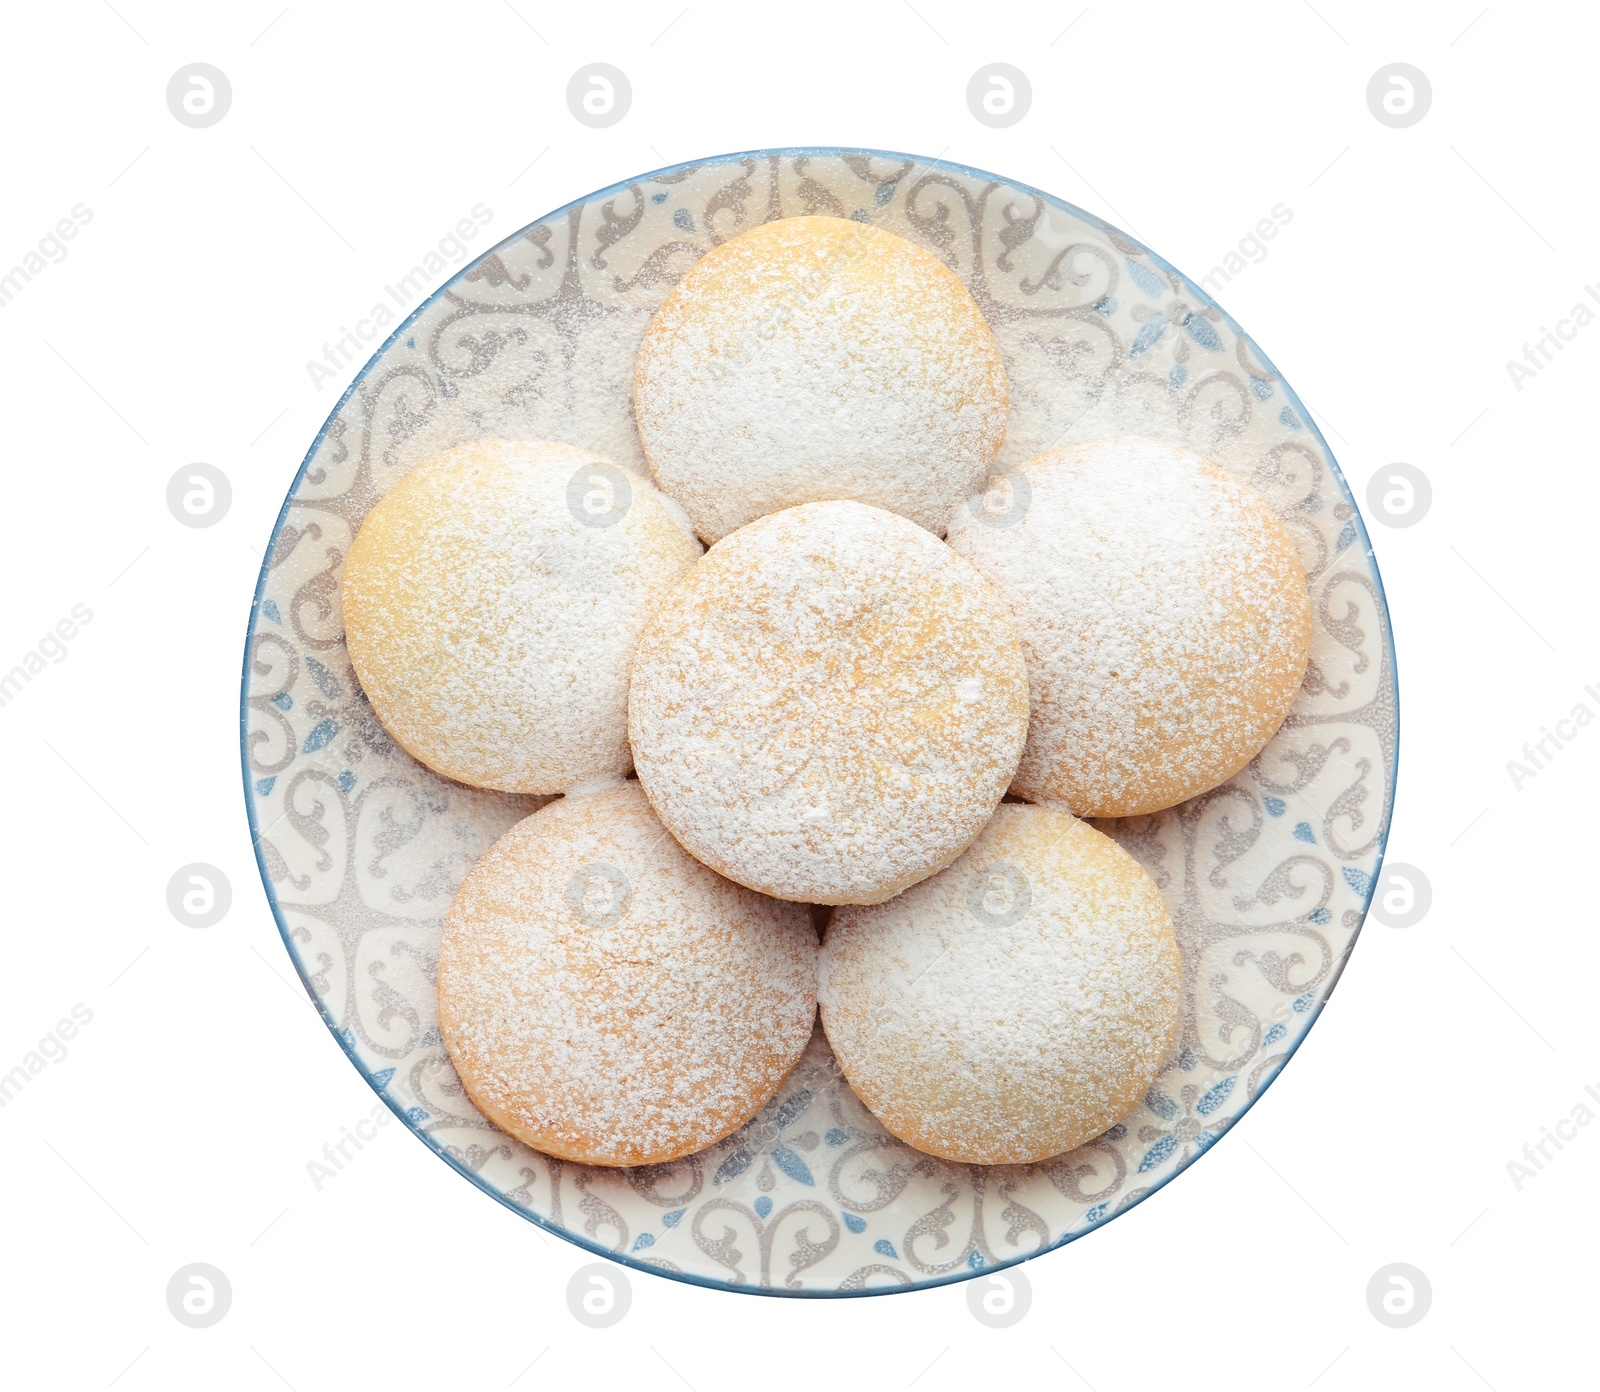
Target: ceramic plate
<point>360,847</point>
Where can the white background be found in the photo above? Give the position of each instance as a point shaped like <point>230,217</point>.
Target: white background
<point>179,1126</point>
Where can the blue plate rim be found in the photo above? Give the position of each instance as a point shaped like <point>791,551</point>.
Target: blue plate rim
<point>626,1259</point>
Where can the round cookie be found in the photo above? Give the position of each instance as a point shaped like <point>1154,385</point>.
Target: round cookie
<point>814,358</point>
<point>492,600</point>
<point>1014,1006</point>
<point>830,706</point>
<point>607,999</point>
<point>1165,615</point>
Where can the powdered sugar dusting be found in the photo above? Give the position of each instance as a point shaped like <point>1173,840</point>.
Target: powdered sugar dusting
<point>608,999</point>
<point>1015,1005</point>
<point>1164,613</point>
<point>830,706</point>
<point>818,358</point>
<point>492,601</point>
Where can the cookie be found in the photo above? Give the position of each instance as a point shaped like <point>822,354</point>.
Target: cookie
<point>492,600</point>
<point>607,999</point>
<point>818,358</point>
<point>1012,1007</point>
<point>1165,616</point>
<point>830,706</point>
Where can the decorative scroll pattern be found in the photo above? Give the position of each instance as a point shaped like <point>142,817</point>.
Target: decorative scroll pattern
<point>1267,877</point>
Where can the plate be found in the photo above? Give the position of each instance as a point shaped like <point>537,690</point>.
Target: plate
<point>360,848</point>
